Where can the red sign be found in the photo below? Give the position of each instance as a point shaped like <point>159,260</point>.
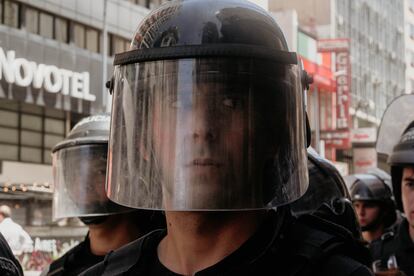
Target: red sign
<point>340,47</point>
<point>343,85</point>
<point>322,76</point>
<point>337,139</point>
<point>364,159</point>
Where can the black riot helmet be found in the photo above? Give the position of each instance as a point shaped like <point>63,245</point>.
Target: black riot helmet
<point>402,156</point>
<point>79,171</point>
<point>373,188</point>
<point>208,111</point>
<point>327,195</point>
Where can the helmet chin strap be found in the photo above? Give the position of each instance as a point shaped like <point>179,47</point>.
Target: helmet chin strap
<point>93,219</point>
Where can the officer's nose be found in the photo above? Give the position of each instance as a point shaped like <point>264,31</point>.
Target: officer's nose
<point>204,123</point>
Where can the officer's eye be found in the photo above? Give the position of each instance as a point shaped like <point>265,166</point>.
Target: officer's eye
<point>409,184</point>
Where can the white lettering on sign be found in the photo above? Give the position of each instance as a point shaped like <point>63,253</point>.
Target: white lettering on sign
<point>25,73</point>
<point>343,87</point>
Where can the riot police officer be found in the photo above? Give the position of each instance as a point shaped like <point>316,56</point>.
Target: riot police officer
<point>396,141</point>
<point>79,164</point>
<point>9,265</point>
<point>374,204</point>
<point>208,124</point>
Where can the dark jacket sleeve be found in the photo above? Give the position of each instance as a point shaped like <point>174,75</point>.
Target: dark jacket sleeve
<point>340,265</point>
<point>9,265</point>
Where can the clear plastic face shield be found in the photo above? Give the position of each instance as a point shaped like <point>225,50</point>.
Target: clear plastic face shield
<point>398,115</point>
<point>79,178</point>
<point>207,134</point>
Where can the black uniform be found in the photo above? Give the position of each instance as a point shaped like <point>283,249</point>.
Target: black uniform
<point>75,261</point>
<point>305,246</point>
<point>9,265</point>
<point>396,242</point>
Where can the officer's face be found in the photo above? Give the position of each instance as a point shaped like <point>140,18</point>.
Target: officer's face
<point>367,212</point>
<point>86,184</point>
<point>200,143</point>
<point>407,193</point>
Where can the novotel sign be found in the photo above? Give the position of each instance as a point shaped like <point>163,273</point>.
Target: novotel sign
<point>24,73</point>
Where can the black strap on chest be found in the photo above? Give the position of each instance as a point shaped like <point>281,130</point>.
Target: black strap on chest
<point>120,261</point>
<point>58,267</point>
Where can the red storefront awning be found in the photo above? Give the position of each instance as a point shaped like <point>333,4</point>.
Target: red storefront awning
<point>322,76</point>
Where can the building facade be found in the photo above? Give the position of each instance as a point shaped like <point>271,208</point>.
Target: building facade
<point>374,31</point>
<point>53,58</point>
<point>409,44</point>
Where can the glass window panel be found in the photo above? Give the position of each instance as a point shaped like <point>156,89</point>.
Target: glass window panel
<point>11,14</point>
<point>30,138</point>
<point>31,17</point>
<point>47,156</point>
<point>54,126</point>
<point>46,25</point>
<point>9,105</point>
<point>8,118</point>
<point>92,40</point>
<point>79,35</point>
<point>55,113</point>
<point>8,152</point>
<point>61,30</point>
<point>8,135</point>
<point>31,108</point>
<point>144,3</point>
<point>32,122</point>
<point>52,140</point>
<point>31,154</point>
<point>118,45</point>
<point>127,43</point>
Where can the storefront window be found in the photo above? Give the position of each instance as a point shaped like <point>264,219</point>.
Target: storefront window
<point>30,154</point>
<point>61,30</point>
<point>46,25</point>
<point>31,122</point>
<point>31,17</point>
<point>8,152</point>
<point>8,135</point>
<point>54,126</point>
<point>52,140</point>
<point>31,138</point>
<point>8,118</point>
<point>11,14</point>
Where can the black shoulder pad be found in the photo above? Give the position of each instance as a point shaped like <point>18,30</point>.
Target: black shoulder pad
<point>120,261</point>
<point>8,268</point>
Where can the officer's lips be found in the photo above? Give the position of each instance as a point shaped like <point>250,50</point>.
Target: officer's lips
<point>205,162</point>
<point>362,221</point>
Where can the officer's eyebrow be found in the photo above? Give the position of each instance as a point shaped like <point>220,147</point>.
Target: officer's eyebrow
<point>409,177</point>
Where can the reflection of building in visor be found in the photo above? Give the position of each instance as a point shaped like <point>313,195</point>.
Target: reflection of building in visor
<point>213,134</point>
<point>80,170</point>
